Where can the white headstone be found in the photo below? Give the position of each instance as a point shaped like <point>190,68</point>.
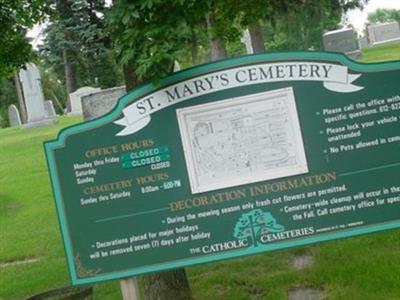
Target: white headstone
<point>246,40</point>
<point>341,40</point>
<point>49,107</point>
<point>76,98</point>
<point>177,66</point>
<point>363,42</point>
<point>33,94</point>
<point>384,33</point>
<point>13,116</point>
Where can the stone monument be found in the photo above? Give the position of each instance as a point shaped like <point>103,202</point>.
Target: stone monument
<point>33,97</point>
<point>341,40</point>
<point>363,42</point>
<point>76,98</point>
<point>99,103</point>
<point>177,66</point>
<point>13,116</point>
<point>49,107</point>
<point>246,40</point>
<point>384,33</point>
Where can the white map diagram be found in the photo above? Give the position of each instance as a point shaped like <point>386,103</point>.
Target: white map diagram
<point>242,140</point>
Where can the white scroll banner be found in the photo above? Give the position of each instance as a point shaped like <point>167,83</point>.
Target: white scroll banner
<point>334,77</point>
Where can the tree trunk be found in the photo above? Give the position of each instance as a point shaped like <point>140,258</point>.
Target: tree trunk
<point>131,80</point>
<point>70,77</point>
<point>217,46</point>
<point>193,46</point>
<point>21,101</point>
<point>64,9</point>
<point>257,40</point>
<point>169,285</point>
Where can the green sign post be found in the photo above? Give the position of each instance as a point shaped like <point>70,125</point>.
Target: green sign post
<point>227,159</point>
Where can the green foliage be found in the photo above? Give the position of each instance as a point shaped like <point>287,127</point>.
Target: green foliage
<point>8,96</point>
<point>301,25</point>
<point>151,34</point>
<point>78,28</point>
<point>251,12</point>
<point>383,15</point>
<point>53,89</point>
<point>16,16</point>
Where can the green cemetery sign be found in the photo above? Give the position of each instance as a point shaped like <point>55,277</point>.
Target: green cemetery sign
<point>227,159</point>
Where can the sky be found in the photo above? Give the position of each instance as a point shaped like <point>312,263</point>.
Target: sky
<point>355,17</point>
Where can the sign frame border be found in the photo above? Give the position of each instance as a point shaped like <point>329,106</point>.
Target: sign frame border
<point>174,78</point>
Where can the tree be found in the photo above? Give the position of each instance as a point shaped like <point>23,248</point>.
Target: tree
<point>147,40</point>
<point>250,15</point>
<point>8,96</point>
<point>16,17</point>
<point>301,25</point>
<point>53,88</point>
<point>76,45</point>
<point>383,15</point>
<point>217,44</point>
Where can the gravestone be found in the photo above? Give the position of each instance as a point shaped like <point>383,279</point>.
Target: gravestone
<point>33,97</point>
<point>49,107</point>
<point>13,116</point>
<point>363,42</point>
<point>303,261</point>
<point>76,98</point>
<point>246,40</point>
<point>99,103</point>
<point>305,294</point>
<point>341,40</point>
<point>384,33</point>
<point>177,66</point>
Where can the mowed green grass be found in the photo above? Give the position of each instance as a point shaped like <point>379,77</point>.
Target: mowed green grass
<point>28,222</point>
<point>381,53</point>
<point>364,268</point>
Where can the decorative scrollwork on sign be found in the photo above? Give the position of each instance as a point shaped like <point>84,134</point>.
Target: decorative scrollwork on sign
<point>81,270</point>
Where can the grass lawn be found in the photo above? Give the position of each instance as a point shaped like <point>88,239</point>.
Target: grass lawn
<point>364,268</point>
<point>381,53</point>
<point>28,224</point>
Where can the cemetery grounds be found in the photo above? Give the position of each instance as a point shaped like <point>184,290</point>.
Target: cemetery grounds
<point>32,256</point>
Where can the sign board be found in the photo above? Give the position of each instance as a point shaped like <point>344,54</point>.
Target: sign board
<point>228,159</point>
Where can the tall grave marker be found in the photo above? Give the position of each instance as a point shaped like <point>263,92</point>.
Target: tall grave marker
<point>33,97</point>
<point>233,158</point>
